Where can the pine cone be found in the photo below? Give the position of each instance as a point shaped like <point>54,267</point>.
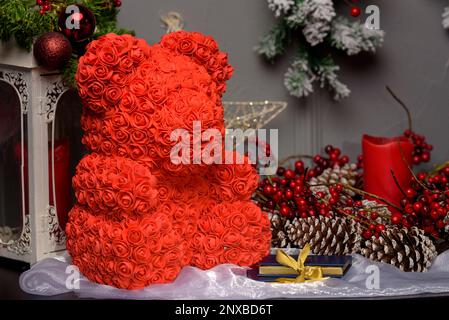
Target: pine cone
<point>326,236</point>
<point>279,237</point>
<point>407,249</point>
<point>345,175</point>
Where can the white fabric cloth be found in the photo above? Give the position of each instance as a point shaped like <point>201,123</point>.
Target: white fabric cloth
<point>49,277</point>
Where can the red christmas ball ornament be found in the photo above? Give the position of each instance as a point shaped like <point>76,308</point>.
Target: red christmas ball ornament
<point>355,12</point>
<point>52,50</point>
<point>77,23</point>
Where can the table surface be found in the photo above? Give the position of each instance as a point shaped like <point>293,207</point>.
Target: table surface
<point>11,270</point>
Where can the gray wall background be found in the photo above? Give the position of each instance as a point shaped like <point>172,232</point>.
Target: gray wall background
<point>412,61</point>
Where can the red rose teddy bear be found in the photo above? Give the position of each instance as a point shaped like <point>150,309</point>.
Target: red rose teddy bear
<point>140,217</point>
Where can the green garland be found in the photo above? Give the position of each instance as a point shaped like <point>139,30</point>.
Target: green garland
<point>21,20</point>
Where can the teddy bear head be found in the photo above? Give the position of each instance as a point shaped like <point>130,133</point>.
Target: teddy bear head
<point>136,95</point>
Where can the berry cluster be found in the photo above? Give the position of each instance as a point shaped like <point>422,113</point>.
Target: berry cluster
<point>372,221</point>
<point>289,193</point>
<point>45,6</point>
<point>426,203</point>
<point>322,162</point>
<point>421,152</point>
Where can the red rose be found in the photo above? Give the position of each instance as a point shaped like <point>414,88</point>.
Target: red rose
<point>84,73</point>
<point>137,151</point>
<point>154,245</point>
<point>137,56</point>
<point>140,121</point>
<point>239,187</point>
<point>159,261</point>
<point>224,174</point>
<point>125,200</point>
<point>121,249</point>
<point>134,236</point>
<point>95,89</point>
<point>141,254</point>
<point>186,46</point>
<point>171,272</point>
<point>113,94</point>
<point>157,94</point>
<point>108,55</point>
<point>128,103</point>
<point>124,269</point>
<point>231,255</point>
<point>138,87</point>
<point>238,221</point>
<point>157,277</point>
<point>106,248</point>
<point>140,137</point>
<point>102,73</point>
<point>142,274</point>
<point>122,151</point>
<point>202,54</point>
<point>121,136</point>
<point>125,65</point>
<point>212,244</point>
<point>107,148</point>
<point>119,78</point>
<point>211,260</point>
<point>169,240</point>
<point>246,259</point>
<point>231,238</point>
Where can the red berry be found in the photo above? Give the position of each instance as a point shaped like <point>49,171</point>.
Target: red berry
<point>434,215</point>
<point>425,156</point>
<point>422,175</point>
<point>46,7</point>
<point>42,11</point>
<point>406,223</point>
<point>367,234</point>
<point>372,227</point>
<point>280,171</point>
<point>396,218</point>
<point>289,174</point>
<point>416,159</point>
<point>344,160</point>
<point>417,206</point>
<point>445,171</point>
<point>267,190</point>
<point>408,133</point>
<point>284,211</point>
<point>440,224</point>
<point>380,228</point>
<point>117,3</point>
<point>374,215</point>
<point>408,209</point>
<point>299,166</point>
<point>317,159</point>
<point>410,193</point>
<point>328,149</point>
<point>288,194</point>
<point>283,182</point>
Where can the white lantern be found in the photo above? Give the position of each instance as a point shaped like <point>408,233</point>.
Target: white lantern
<point>32,104</point>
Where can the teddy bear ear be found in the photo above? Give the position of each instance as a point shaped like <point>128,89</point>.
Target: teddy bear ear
<point>204,51</point>
<point>104,69</point>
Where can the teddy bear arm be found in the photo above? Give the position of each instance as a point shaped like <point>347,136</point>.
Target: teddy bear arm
<point>114,184</point>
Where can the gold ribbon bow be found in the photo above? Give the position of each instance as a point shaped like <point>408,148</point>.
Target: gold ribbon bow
<point>309,273</point>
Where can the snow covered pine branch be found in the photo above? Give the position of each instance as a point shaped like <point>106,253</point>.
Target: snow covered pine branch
<point>313,23</point>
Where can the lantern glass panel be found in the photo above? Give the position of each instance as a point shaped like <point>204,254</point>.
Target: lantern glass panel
<point>13,164</point>
<point>66,150</point>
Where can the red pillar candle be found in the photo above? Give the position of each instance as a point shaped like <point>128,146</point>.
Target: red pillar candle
<point>380,157</point>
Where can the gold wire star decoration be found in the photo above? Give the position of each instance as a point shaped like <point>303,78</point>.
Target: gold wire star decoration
<point>251,114</point>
